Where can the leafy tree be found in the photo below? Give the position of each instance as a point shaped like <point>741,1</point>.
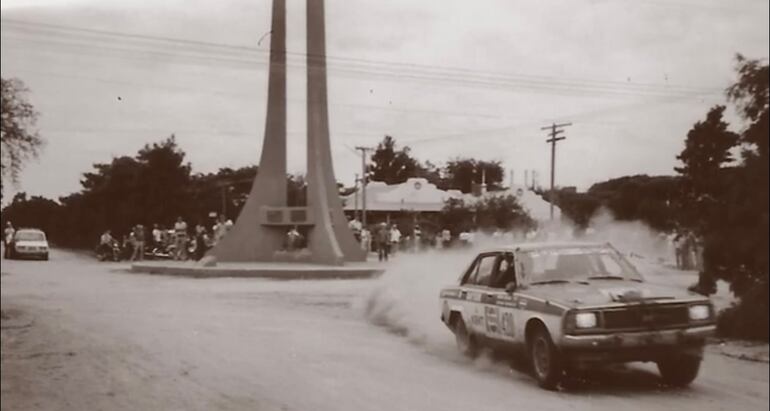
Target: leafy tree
<point>462,173</point>
<point>731,203</point>
<point>164,179</point>
<point>391,165</point>
<point>34,212</point>
<point>494,212</point>
<point>707,150</point>
<point>18,138</point>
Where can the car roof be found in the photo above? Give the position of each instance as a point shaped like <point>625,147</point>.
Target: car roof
<point>546,246</point>
<point>36,230</point>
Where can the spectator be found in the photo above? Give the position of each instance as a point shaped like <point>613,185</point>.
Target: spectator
<point>180,232</point>
<point>220,229</point>
<point>157,236</point>
<point>383,242</point>
<point>707,283</point>
<point>129,244</point>
<point>446,238</point>
<point>200,242</point>
<point>366,240</point>
<point>105,243</point>
<point>293,239</point>
<point>138,253</point>
<point>8,239</point>
<point>417,237</point>
<point>395,238</point>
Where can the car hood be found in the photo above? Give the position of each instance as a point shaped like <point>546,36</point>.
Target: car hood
<point>28,243</point>
<point>601,292</point>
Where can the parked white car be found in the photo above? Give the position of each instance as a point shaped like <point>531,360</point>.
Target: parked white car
<point>29,243</point>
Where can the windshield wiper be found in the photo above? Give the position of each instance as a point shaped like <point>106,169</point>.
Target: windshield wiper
<point>612,277</point>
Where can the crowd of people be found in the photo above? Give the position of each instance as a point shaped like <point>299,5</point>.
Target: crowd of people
<point>386,239</point>
<point>177,242</point>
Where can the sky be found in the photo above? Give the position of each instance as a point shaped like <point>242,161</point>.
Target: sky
<point>448,78</point>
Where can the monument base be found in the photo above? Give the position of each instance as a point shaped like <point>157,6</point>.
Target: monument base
<point>277,270</point>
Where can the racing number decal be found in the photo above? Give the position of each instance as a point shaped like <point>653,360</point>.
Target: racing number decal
<point>507,324</point>
<point>491,313</point>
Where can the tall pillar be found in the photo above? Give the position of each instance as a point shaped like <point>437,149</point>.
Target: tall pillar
<point>248,240</point>
<point>331,239</point>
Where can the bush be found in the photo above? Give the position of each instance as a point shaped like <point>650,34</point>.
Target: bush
<point>748,319</point>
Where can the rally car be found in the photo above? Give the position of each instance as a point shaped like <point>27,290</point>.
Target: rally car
<point>570,306</point>
<point>29,243</point>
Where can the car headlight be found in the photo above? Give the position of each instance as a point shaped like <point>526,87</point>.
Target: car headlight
<point>699,312</point>
<point>585,320</point>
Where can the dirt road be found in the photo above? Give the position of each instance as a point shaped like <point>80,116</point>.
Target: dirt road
<point>82,335</point>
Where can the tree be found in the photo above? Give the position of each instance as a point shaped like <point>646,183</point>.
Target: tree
<point>36,212</point>
<point>462,173</point>
<point>391,165</point>
<point>495,212</point>
<point>18,138</point>
<point>731,203</point>
<point>164,178</point>
<point>707,150</point>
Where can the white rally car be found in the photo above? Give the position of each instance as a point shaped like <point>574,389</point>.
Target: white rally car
<point>29,243</point>
<point>573,305</point>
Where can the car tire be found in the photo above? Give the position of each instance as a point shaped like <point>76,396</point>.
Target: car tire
<point>547,366</point>
<point>679,370</point>
<point>45,257</point>
<point>466,343</point>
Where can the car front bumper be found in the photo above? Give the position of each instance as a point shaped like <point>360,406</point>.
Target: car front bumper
<point>27,253</point>
<point>636,346</point>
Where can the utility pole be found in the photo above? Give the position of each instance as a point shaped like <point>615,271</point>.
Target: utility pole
<point>363,182</point>
<point>556,129</point>
<point>355,198</point>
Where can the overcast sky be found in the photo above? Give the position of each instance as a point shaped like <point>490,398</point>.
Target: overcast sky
<point>447,77</point>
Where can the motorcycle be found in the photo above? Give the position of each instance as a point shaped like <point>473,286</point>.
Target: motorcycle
<point>108,252</point>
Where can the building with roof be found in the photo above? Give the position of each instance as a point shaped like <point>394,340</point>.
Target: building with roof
<point>417,195</point>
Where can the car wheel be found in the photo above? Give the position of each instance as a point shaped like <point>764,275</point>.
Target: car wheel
<point>45,257</point>
<point>680,370</point>
<point>465,341</point>
<point>546,361</point>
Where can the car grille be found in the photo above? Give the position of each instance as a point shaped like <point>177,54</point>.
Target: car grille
<point>646,316</point>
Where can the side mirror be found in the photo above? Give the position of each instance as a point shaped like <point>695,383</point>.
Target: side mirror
<point>510,287</point>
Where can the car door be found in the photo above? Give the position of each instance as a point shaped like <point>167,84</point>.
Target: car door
<point>499,305</point>
<point>474,292</point>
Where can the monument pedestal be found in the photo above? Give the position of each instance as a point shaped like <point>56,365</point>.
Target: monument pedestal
<point>272,270</point>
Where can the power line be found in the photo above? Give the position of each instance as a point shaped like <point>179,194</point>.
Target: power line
<point>530,86</point>
<point>373,66</point>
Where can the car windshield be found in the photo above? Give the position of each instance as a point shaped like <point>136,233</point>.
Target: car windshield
<point>576,265</point>
<point>30,236</point>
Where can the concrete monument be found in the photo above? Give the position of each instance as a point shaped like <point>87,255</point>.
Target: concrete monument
<point>260,231</point>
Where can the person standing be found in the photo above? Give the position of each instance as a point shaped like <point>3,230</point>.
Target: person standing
<point>220,229</point>
<point>292,239</point>
<point>157,236</point>
<point>446,238</point>
<point>200,241</point>
<point>395,238</point>
<point>383,242</point>
<point>180,235</point>
<point>417,238</point>
<point>138,254</point>
<point>8,239</point>
<point>366,240</point>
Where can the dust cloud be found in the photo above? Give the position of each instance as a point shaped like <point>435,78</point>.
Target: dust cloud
<point>405,299</point>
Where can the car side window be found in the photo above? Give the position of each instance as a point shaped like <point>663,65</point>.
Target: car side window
<point>485,270</point>
<point>470,275</point>
<point>505,273</point>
